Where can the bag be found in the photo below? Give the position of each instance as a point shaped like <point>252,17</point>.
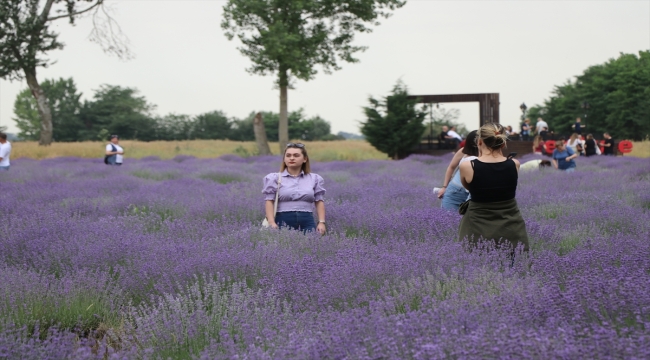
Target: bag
<point>265,222</point>
<point>463,207</point>
<point>106,157</point>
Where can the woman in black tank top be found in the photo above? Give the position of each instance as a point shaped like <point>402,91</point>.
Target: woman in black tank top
<point>492,213</point>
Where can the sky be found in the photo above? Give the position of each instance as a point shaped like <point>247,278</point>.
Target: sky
<point>520,49</point>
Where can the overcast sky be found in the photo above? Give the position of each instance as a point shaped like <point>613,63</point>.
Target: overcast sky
<point>521,49</point>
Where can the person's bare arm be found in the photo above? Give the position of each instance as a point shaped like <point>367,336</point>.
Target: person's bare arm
<point>466,173</point>
<point>554,163</point>
<point>517,163</point>
<point>320,212</point>
<point>270,217</point>
<point>453,164</point>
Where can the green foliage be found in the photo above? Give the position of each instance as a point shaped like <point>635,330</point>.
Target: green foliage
<point>64,102</point>
<point>121,111</point>
<point>618,93</point>
<point>394,126</point>
<point>300,127</point>
<point>212,125</point>
<point>174,127</point>
<point>24,38</point>
<point>293,36</point>
<point>289,38</point>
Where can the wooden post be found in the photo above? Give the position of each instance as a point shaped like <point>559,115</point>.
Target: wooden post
<point>260,135</point>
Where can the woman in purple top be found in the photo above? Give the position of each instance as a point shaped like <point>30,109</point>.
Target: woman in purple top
<point>300,192</point>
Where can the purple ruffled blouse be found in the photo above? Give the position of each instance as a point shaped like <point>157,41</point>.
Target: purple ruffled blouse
<point>296,193</point>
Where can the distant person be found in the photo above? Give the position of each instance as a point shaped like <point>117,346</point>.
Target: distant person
<point>577,126</point>
<point>5,152</point>
<point>576,144</point>
<point>563,157</point>
<point>591,147</point>
<point>452,191</point>
<point>544,134</point>
<point>534,165</point>
<point>300,192</point>
<point>608,146</point>
<point>525,130</point>
<point>114,152</point>
<point>539,147</point>
<point>512,134</point>
<point>453,137</point>
<point>492,212</point>
<point>540,125</point>
<point>442,138</point>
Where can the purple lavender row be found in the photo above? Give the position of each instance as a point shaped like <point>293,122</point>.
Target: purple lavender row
<point>165,259</point>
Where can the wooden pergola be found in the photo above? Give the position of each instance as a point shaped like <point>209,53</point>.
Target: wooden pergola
<point>488,103</point>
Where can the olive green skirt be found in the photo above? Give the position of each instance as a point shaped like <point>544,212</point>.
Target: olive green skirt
<point>500,221</point>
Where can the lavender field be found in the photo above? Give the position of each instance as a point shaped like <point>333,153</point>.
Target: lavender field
<point>165,259</point>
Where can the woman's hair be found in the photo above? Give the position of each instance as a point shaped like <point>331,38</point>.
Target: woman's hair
<point>536,141</point>
<point>493,135</point>
<point>470,147</point>
<point>590,137</point>
<point>573,138</point>
<point>305,167</point>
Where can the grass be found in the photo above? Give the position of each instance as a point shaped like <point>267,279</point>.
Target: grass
<point>348,150</point>
<point>641,148</point>
<point>81,311</point>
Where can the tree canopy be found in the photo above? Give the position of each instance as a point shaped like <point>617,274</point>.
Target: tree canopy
<point>124,111</point>
<point>618,95</point>
<point>289,38</point>
<point>26,39</point>
<point>395,125</point>
<point>64,101</point>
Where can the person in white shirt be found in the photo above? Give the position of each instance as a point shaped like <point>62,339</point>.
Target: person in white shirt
<point>452,138</point>
<point>541,124</point>
<point>114,152</point>
<point>5,151</point>
<point>454,135</point>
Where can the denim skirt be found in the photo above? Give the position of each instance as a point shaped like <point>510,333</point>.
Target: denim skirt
<point>297,220</point>
<point>453,197</point>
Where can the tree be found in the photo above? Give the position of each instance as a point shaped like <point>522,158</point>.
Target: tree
<point>618,94</point>
<point>394,126</point>
<point>289,38</point>
<point>243,129</point>
<point>444,117</point>
<point>212,125</point>
<point>25,38</point>
<point>120,111</point>
<point>64,103</point>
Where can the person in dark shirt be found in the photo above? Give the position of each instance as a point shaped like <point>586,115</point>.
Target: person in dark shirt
<point>544,133</point>
<point>492,213</point>
<point>608,145</point>
<point>442,138</point>
<point>577,127</point>
<point>590,146</point>
<point>525,130</point>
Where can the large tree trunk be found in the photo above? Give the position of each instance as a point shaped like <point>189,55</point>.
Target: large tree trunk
<point>260,135</point>
<point>42,106</point>
<point>283,125</point>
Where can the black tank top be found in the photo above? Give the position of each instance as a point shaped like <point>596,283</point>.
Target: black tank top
<point>590,147</point>
<point>493,182</point>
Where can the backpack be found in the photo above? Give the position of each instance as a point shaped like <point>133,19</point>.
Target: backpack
<point>113,149</point>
